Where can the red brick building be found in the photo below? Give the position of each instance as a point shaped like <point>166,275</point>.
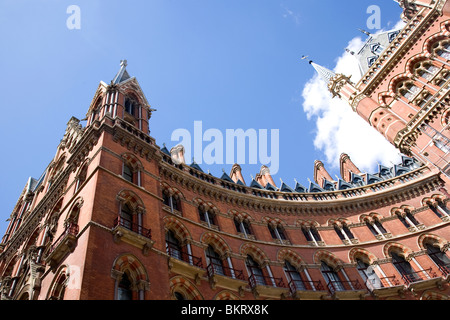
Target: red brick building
<point>114,216</point>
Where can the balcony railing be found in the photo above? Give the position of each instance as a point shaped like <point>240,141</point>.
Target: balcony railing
<point>127,224</point>
<point>175,252</point>
<point>260,280</point>
<point>300,285</point>
<point>72,229</point>
<point>218,269</point>
<point>387,282</point>
<point>337,285</point>
<point>419,276</point>
<point>444,268</point>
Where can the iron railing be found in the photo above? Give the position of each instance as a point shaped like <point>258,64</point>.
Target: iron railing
<point>417,276</point>
<point>300,285</point>
<point>176,252</point>
<point>214,268</point>
<point>72,229</point>
<point>260,280</point>
<point>119,221</point>
<point>338,285</point>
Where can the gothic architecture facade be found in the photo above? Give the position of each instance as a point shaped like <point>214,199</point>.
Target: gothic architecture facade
<point>115,216</point>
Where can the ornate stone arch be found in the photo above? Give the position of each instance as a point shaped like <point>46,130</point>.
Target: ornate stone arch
<point>291,256</point>
<point>206,205</point>
<point>256,253</point>
<point>135,270</point>
<point>172,191</point>
<point>399,249</point>
<point>59,283</point>
<point>226,295</point>
<point>178,228</point>
<point>240,215</point>
<point>433,295</point>
<point>132,161</point>
<point>363,254</point>
<point>327,257</point>
<point>274,221</point>
<point>185,287</point>
<point>434,240</point>
<point>132,199</point>
<point>216,242</point>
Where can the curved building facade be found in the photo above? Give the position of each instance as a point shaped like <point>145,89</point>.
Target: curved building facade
<point>115,216</point>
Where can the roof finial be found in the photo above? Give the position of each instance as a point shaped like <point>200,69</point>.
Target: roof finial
<point>123,63</point>
<point>365,32</point>
<point>350,51</point>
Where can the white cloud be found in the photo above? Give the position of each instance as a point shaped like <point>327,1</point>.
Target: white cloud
<point>339,129</point>
<point>291,14</point>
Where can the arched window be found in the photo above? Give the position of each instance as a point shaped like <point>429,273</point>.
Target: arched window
<point>331,277</point>
<point>407,89</point>
<point>124,291</point>
<point>426,70</point>
<point>408,220</point>
<point>439,209</point>
<point>128,173</point>
<point>368,275</point>
<point>277,232</point>
<point>403,267</point>
<point>294,278</point>
<point>171,201</point>
<point>376,227</point>
<point>311,234</point>
<point>256,273</point>
<point>59,288</point>
<point>242,226</point>
<point>179,296</point>
<point>130,106</point>
<point>442,49</point>
<point>173,245</point>
<point>214,261</point>
<point>126,216</point>
<point>439,257</point>
<point>344,232</point>
<point>81,177</point>
<point>208,217</point>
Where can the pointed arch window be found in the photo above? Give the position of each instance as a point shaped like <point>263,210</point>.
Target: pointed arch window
<point>331,277</point>
<point>294,278</point>
<point>368,275</point>
<point>277,232</point>
<point>439,258</point>
<point>403,267</point>
<point>124,291</point>
<point>256,272</point>
<point>173,245</point>
<point>171,201</point>
<point>408,89</point>
<point>214,261</point>
<point>126,216</point>
<point>208,218</point>
<point>81,177</point>
<point>426,70</point>
<point>440,209</point>
<point>444,51</point>
<point>128,173</point>
<point>243,227</point>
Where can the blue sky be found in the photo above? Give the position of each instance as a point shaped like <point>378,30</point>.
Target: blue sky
<point>230,64</point>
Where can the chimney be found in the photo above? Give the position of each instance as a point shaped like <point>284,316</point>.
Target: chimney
<point>320,173</point>
<point>236,173</point>
<point>347,167</point>
<point>177,154</point>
